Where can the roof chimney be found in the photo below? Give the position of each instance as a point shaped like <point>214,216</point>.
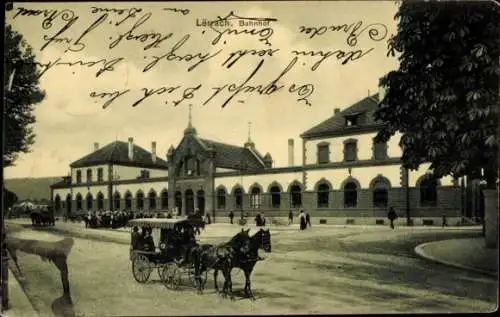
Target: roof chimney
<point>336,111</point>
<point>290,152</point>
<point>131,149</point>
<point>96,146</point>
<point>153,151</point>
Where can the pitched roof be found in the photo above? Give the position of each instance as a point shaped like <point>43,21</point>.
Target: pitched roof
<point>117,153</point>
<point>232,156</point>
<point>336,125</point>
<point>62,183</point>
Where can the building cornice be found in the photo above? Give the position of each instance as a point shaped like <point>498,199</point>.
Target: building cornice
<point>306,168</point>
<point>116,182</point>
<point>129,164</point>
<point>347,131</point>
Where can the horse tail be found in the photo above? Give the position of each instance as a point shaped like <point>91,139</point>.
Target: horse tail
<point>65,245</point>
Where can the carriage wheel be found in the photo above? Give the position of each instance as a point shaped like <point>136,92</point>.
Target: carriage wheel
<point>171,276</point>
<point>160,270</point>
<point>141,268</point>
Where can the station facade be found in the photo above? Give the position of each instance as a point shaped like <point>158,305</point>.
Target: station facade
<point>344,177</point>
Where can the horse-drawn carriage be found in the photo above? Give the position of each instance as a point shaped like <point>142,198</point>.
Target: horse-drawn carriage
<point>42,215</point>
<point>178,254</point>
<point>176,237</point>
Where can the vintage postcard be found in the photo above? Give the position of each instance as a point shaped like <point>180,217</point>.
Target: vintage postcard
<point>250,158</point>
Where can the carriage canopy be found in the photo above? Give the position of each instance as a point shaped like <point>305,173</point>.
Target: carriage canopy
<point>165,223</point>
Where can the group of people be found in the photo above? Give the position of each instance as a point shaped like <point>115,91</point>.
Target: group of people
<point>143,240</point>
<point>107,219</point>
<point>184,238</point>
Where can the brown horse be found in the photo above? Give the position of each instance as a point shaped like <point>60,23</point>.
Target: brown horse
<point>221,257</point>
<point>260,240</point>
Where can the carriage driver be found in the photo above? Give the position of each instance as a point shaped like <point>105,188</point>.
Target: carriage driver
<point>187,243</point>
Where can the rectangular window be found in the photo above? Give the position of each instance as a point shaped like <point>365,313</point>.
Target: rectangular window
<point>350,152</point>
<point>323,154</point>
<point>89,175</point>
<point>78,177</point>
<point>100,175</point>
<point>379,151</point>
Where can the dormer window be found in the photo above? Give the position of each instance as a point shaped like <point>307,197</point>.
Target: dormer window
<point>351,121</point>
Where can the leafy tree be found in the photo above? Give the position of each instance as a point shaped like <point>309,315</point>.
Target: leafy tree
<point>444,97</point>
<point>21,74</point>
<point>10,198</point>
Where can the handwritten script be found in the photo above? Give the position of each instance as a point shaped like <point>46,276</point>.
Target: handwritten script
<point>243,49</point>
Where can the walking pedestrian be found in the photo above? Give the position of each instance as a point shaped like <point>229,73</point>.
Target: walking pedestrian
<point>231,216</point>
<point>290,217</point>
<point>308,220</point>
<point>392,216</point>
<point>445,222</point>
<point>302,217</point>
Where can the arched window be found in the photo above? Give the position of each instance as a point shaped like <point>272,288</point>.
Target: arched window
<point>178,201</point>
<point>164,200</point>
<point>100,201</point>
<point>323,193</point>
<point>57,203</point>
<point>380,194</point>
<point>428,191</point>
<point>128,201</point>
<point>350,195</point>
<point>79,202</point>
<point>68,204</point>
<point>139,203</point>
<point>255,198</point>
<point>152,200</point>
<point>89,175</point>
<point>275,197</point>
<point>78,177</point>
<point>116,199</point>
<point>89,201</point>
<point>296,196</point>
<point>238,198</point>
<point>221,198</point>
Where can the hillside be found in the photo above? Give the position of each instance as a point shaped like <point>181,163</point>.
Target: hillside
<point>31,188</point>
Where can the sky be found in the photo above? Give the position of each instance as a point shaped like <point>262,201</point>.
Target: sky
<point>71,117</point>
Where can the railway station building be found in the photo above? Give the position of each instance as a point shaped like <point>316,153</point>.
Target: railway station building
<point>343,176</point>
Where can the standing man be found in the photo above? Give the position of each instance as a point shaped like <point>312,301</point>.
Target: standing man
<point>445,222</point>
<point>392,216</point>
<point>290,217</point>
<point>308,220</point>
<point>302,217</point>
<point>231,216</point>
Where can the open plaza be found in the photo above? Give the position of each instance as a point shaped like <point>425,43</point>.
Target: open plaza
<point>325,269</point>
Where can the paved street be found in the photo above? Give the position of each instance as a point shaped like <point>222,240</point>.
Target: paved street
<point>323,270</point>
